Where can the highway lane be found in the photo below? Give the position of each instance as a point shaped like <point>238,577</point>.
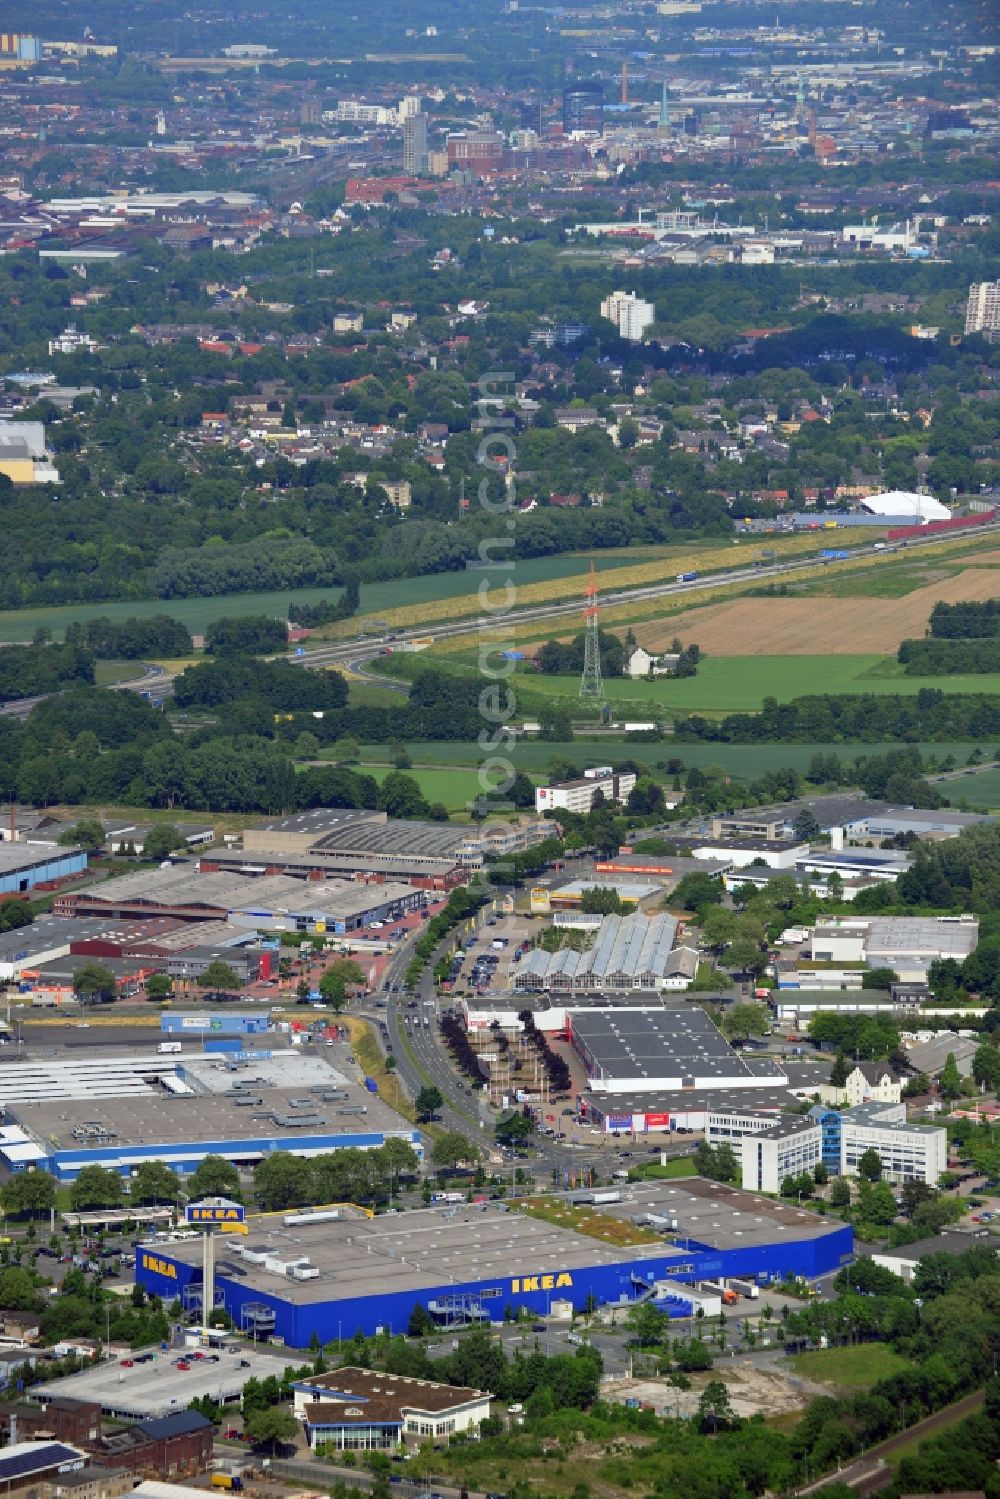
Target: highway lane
<point>349,652</point>
<point>355,653</point>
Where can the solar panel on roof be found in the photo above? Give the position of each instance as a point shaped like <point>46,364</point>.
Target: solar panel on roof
<point>42,1455</point>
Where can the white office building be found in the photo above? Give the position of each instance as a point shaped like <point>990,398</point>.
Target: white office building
<point>629,313</point>
<point>909,1152</point>
<point>982,311</point>
<point>772,1147</point>
<point>579,795</point>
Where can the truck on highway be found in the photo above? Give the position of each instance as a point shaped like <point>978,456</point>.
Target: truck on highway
<point>170,1048</point>
<point>686,577</point>
<point>828,554</point>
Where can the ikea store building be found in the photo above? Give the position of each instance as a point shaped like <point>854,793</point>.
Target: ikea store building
<point>291,1278</point>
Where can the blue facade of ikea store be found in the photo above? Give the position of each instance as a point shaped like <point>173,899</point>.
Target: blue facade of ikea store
<point>295,1323</point>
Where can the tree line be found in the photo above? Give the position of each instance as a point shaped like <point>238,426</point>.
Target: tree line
<point>327,611</point>
<point>929,714</point>
<point>130,639</point>
<point>971,619</point>
<point>276,685</point>
<point>246,635</point>
<point>286,1180</point>
<point>30,670</point>
<point>951,657</point>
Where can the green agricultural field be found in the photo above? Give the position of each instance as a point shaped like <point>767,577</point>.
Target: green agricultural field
<point>980,788</point>
<point>732,684</point>
<point>371,695</point>
<point>743,760</point>
<point>850,1368</point>
<point>455,788</point>
<point>198,613</point>
<point>879,583</point>
<point>107,673</point>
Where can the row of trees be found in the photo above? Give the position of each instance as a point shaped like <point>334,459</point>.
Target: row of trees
<point>30,670</point>
<point>863,718</point>
<point>277,685</point>
<point>565,657</point>
<point>970,619</point>
<point>285,1180</point>
<point>946,658</point>
<point>131,639</point>
<point>248,635</point>
<point>327,611</point>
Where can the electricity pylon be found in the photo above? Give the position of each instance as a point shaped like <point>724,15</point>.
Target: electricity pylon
<point>591,685</point>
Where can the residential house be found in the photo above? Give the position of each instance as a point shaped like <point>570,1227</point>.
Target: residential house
<point>639,663</point>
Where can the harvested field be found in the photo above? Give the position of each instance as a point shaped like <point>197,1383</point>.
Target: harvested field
<point>816,625</point>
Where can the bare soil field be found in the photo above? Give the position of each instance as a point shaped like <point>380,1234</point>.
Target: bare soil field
<point>753,1390</point>
<point>815,626</point>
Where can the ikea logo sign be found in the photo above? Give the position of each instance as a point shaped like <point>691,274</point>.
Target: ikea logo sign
<point>540,1283</point>
<point>229,1212</point>
<point>158,1266</point>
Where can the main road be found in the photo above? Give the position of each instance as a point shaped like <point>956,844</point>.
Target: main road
<point>356,653</point>
<point>413,1035</point>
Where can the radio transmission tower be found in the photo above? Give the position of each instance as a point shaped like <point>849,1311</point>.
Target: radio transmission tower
<point>591,685</point>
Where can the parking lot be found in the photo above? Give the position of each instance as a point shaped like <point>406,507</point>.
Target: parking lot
<point>149,1382</point>
<point>489,956</point>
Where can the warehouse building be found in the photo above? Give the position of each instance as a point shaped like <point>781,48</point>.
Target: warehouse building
<point>54,982</point>
<point>28,866</point>
<point>470,1263</point>
<point>629,952</point>
<point>661,1112</point>
<point>122,836</point>
<point>906,944</point>
<point>427,873</point>
<point>905,1261</point>
<point>889,822</point>
<point>48,937</point>
<point>659,1050</point>
<point>371,842</point>
<point>239,1104</point>
<point>846,818</point>
<point>267,903</point>
<point>550,1012</point>
<point>796,1007</point>
<point>26,1466</point>
<point>740,853</point>
<point>633,893</point>
<point>666,870</point>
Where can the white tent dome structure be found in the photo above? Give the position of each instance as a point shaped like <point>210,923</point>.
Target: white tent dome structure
<point>920,508</point>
